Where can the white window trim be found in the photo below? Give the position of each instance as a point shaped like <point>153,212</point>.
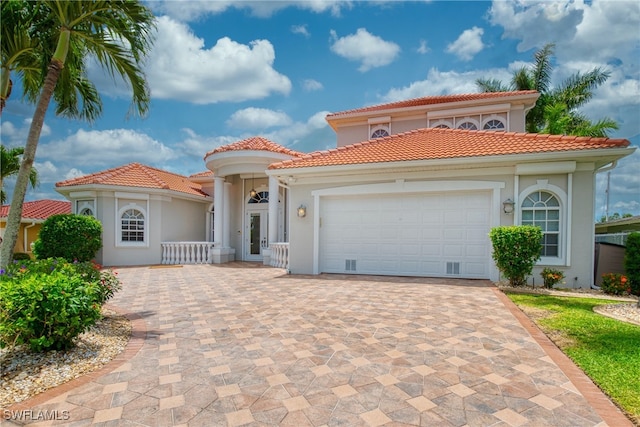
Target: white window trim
<point>461,121</point>
<point>440,122</point>
<point>486,120</point>
<point>386,127</point>
<point>561,195</point>
<point>86,204</point>
<point>118,222</point>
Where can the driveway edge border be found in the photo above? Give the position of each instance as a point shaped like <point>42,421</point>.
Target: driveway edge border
<point>598,400</point>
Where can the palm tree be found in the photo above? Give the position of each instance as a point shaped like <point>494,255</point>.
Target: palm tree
<point>9,166</point>
<point>560,103</point>
<point>116,33</point>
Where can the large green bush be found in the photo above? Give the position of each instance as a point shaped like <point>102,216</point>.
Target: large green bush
<point>516,248</point>
<point>47,303</point>
<point>68,236</point>
<point>632,262</point>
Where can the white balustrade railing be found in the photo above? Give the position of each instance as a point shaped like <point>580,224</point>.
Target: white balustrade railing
<point>279,255</point>
<point>186,252</point>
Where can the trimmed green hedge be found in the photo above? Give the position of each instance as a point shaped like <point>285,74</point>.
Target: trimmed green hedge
<point>516,248</point>
<point>69,236</point>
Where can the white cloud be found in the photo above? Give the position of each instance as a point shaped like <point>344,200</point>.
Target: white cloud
<point>16,136</point>
<point>196,146</point>
<point>371,51</point>
<point>258,119</point>
<point>310,85</point>
<point>193,10</point>
<point>443,83</point>
<point>423,48</point>
<point>97,149</point>
<point>536,23</point>
<point>291,135</point>
<point>300,29</point>
<point>180,67</point>
<point>468,44</point>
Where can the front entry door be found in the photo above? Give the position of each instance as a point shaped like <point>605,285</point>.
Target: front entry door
<point>256,234</point>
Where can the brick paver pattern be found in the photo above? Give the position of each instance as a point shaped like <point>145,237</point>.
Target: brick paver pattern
<point>248,345</point>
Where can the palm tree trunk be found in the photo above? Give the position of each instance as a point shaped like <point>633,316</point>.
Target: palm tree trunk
<point>22,180</point>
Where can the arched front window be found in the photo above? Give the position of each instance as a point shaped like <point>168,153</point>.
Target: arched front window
<point>86,212</point>
<point>260,197</point>
<point>132,226</point>
<point>542,209</point>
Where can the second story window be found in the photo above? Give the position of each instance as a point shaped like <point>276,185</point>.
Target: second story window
<point>379,133</point>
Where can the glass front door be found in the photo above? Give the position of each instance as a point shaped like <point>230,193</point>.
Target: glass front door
<point>256,235</point>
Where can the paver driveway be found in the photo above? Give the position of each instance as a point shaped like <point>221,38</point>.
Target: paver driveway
<point>246,345</point>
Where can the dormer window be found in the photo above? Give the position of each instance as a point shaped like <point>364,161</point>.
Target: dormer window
<point>494,124</point>
<point>467,125</point>
<point>379,133</point>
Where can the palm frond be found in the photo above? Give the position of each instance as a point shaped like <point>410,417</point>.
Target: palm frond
<point>491,85</point>
<point>542,69</point>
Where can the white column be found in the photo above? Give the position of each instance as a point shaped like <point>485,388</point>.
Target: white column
<point>226,216</point>
<point>218,205</point>
<point>273,209</point>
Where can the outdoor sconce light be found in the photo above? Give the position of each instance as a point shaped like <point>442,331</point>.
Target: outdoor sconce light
<point>302,211</point>
<point>253,193</point>
<point>507,206</point>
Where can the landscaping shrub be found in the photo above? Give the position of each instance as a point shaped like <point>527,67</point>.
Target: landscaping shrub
<point>632,262</point>
<point>516,248</point>
<point>19,256</point>
<point>47,303</point>
<point>68,236</point>
<point>46,311</point>
<point>615,284</point>
<point>551,277</point>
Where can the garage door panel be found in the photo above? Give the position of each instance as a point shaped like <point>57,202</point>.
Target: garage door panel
<point>475,250</point>
<point>427,234</point>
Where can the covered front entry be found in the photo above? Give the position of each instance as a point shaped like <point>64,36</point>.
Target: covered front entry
<point>437,234</point>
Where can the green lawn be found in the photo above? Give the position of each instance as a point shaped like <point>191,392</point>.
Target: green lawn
<point>607,350</point>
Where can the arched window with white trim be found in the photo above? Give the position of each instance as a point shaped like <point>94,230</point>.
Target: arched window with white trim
<point>467,123</point>
<point>379,132</point>
<point>494,124</point>
<point>545,207</point>
<point>132,227</point>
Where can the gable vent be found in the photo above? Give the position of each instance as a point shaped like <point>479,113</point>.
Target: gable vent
<point>350,264</point>
<point>453,267</point>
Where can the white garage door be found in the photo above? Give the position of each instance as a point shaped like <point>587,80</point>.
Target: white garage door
<point>427,234</point>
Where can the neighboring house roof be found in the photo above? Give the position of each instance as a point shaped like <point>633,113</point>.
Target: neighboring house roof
<point>39,209</point>
<point>432,100</point>
<point>138,175</point>
<point>255,143</point>
<point>432,143</point>
<point>631,223</point>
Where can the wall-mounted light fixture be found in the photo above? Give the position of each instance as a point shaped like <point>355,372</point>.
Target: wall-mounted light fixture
<point>302,211</point>
<point>253,191</point>
<point>507,206</point>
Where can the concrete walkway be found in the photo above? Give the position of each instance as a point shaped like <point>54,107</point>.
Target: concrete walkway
<point>243,344</point>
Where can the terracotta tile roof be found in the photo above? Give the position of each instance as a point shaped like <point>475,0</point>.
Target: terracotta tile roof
<point>138,175</point>
<point>40,209</point>
<point>431,143</point>
<point>255,143</point>
<point>432,100</point>
<point>203,174</point>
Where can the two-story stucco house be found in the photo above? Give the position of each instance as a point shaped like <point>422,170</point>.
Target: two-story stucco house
<point>412,188</point>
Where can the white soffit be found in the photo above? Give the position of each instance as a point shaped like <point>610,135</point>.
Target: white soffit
<point>545,168</point>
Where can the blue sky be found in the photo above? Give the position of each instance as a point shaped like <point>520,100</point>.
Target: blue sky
<point>221,71</point>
